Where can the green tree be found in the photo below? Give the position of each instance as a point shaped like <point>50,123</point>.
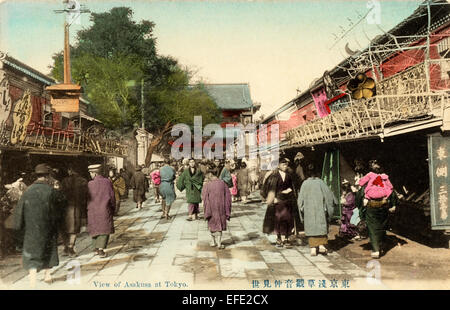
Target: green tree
<point>116,50</point>
<point>177,102</point>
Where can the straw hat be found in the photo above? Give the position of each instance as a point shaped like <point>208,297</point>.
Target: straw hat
<point>42,169</point>
<point>94,168</point>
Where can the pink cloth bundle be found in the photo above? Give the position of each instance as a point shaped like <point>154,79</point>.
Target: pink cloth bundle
<point>156,178</point>
<point>378,185</point>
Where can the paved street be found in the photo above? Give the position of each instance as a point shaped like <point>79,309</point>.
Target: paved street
<point>152,253</point>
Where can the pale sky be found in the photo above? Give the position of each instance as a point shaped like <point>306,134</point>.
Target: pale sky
<point>275,46</point>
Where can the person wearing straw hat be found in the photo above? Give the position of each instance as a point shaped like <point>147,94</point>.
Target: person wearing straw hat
<point>101,207</point>
<point>37,215</point>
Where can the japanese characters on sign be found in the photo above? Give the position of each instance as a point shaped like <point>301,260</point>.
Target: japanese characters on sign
<point>21,118</point>
<point>300,284</point>
<point>5,99</point>
<point>439,152</point>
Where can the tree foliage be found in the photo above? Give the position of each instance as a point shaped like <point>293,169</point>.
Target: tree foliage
<point>178,102</point>
<point>114,51</point>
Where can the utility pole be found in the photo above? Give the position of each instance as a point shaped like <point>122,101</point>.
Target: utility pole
<point>427,57</point>
<point>142,103</point>
<point>65,97</point>
<point>74,10</point>
<point>67,75</point>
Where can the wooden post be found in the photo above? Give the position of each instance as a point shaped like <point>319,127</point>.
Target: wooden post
<point>67,79</point>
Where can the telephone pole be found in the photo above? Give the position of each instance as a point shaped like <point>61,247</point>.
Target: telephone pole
<point>73,10</point>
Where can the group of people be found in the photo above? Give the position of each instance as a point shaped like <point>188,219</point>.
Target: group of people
<point>297,200</point>
<point>51,211</point>
<point>365,205</point>
<point>205,182</point>
<point>291,209</point>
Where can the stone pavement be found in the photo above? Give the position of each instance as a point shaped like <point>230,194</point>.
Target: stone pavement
<point>147,252</point>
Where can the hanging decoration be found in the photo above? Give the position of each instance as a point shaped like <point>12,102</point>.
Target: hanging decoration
<point>362,86</point>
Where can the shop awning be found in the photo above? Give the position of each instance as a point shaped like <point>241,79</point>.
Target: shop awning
<point>415,126</point>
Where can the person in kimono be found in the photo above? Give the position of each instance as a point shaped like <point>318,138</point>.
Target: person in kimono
<point>139,184</point>
<point>74,188</point>
<point>347,229</point>
<point>234,189</point>
<point>167,188</point>
<point>243,182</point>
<point>119,187</point>
<point>191,179</point>
<point>101,207</point>
<point>217,207</point>
<point>225,174</point>
<point>316,201</point>
<point>217,169</point>
<point>374,200</point>
<point>124,174</point>
<point>279,217</point>
<point>299,170</point>
<point>38,215</point>
<point>9,239</point>
<point>156,180</point>
<point>203,166</point>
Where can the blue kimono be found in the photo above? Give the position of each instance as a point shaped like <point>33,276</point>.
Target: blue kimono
<point>167,188</point>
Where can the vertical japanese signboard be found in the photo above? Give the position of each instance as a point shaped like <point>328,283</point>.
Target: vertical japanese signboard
<point>320,97</point>
<point>439,162</point>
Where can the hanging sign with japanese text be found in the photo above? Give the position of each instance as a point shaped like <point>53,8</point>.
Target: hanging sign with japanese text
<point>439,162</point>
<point>5,100</point>
<point>21,118</point>
<point>320,97</point>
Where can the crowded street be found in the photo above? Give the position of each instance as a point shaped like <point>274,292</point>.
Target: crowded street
<point>147,249</point>
<point>224,145</point>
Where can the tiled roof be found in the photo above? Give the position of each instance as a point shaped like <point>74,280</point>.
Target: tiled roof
<point>31,72</point>
<point>230,96</point>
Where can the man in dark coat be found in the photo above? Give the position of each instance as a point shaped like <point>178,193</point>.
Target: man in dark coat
<point>139,184</point>
<point>279,216</point>
<point>101,207</point>
<point>37,215</point>
<point>74,188</point>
